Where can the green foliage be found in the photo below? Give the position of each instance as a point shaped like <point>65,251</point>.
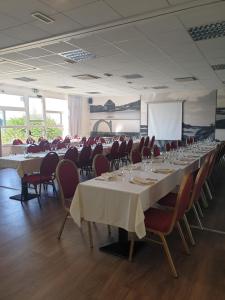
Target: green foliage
<point>37,130</point>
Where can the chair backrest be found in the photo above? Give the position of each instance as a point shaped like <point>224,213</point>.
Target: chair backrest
<point>174,145</point>
<point>114,149</point>
<point>141,144</point>
<point>49,164</point>
<point>183,199</point>
<point>102,140</point>
<point>146,152</point>
<point>33,149</point>
<point>180,143</point>
<point>129,146</point>
<point>146,141</point>
<point>121,138</point>
<point>135,157</point>
<point>97,150</point>
<point>17,142</point>
<point>56,141</point>
<point>67,139</point>
<point>156,151</point>
<point>100,164</point>
<point>61,145</point>
<point>72,154</point>
<point>122,149</point>
<point>152,142</point>
<point>91,141</point>
<point>85,155</point>
<point>67,176</point>
<point>44,145</point>
<point>199,181</point>
<point>167,147</point>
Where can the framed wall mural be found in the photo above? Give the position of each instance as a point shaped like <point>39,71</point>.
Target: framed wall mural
<point>220,116</point>
<point>115,116</point>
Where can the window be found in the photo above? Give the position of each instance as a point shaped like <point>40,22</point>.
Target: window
<point>41,116</point>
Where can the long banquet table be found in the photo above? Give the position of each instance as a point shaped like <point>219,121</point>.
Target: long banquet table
<point>120,203</point>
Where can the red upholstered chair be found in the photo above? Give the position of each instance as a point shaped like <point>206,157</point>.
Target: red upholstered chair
<point>156,151</point>
<point>113,155</point>
<point>162,222</point>
<point>141,144</point>
<point>135,157</point>
<point>129,148</point>
<point>84,159</point>
<point>46,175</point>
<point>146,152</point>
<point>122,152</point>
<point>180,144</point>
<point>67,139</point>
<point>61,145</point>
<point>83,140</point>
<point>33,149</point>
<point>67,176</point>
<point>151,145</point>
<point>122,138</point>
<point>167,147</point>
<point>174,145</point>
<point>100,165</point>
<point>146,143</point>
<point>72,154</point>
<point>97,150</point>
<point>102,140</point>
<point>17,142</point>
<point>44,145</point>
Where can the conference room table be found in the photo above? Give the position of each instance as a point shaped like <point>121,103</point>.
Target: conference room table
<point>120,198</point>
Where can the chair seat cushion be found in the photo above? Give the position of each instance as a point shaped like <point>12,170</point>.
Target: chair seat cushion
<point>36,179</point>
<point>158,219</point>
<point>168,200</point>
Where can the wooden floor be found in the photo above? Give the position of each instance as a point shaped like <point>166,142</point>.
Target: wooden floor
<point>34,265</point>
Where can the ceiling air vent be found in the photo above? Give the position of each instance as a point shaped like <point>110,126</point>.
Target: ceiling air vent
<point>93,93</point>
<point>42,17</point>
<point>218,67</point>
<point>160,87</point>
<point>132,76</point>
<point>185,79</point>
<point>65,87</point>
<point>86,76</point>
<point>209,31</point>
<point>26,79</point>
<point>78,55</point>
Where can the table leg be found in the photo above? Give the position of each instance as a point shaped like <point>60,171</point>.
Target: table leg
<point>122,246</point>
<point>25,195</point>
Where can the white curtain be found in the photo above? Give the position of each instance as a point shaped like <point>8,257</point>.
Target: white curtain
<point>75,113</point>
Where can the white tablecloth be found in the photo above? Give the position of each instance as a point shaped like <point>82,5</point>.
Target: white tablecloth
<point>121,203</point>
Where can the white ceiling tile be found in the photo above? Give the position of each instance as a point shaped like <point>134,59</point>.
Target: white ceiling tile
<point>37,62</point>
<point>26,32</point>
<point>103,50</point>
<point>120,34</point>
<point>203,15</point>
<point>55,59</point>
<point>60,47</point>
<point>35,52</point>
<point>221,74</point>
<point>6,22</point>
<point>8,41</point>
<point>91,40</point>
<point>132,7</point>
<point>93,14</point>
<point>66,4</point>
<point>14,56</point>
<point>23,9</point>
<point>214,48</point>
<point>61,24</point>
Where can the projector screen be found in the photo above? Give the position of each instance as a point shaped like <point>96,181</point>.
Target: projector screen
<point>165,120</point>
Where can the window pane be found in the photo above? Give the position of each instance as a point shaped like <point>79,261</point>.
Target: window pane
<point>15,118</point>
<point>35,108</point>
<point>53,132</point>
<point>55,104</point>
<point>37,132</point>
<point>11,100</point>
<point>53,119</point>
<point>9,134</point>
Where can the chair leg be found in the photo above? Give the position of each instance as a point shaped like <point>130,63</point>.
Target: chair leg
<point>62,226</point>
<point>197,216</point>
<point>199,209</point>
<point>204,200</point>
<point>54,188</point>
<point>186,248</point>
<point>208,190</point>
<point>90,234</point>
<point>168,255</point>
<point>38,195</point>
<point>109,230</point>
<point>189,230</point>
<point>131,250</point>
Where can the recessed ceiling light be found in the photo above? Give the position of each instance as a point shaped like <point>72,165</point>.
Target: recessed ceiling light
<point>185,79</point>
<point>65,87</point>
<point>160,87</point>
<point>42,17</point>
<point>86,76</point>
<point>130,82</point>
<point>218,67</point>
<point>26,79</point>
<point>209,31</point>
<point>108,74</point>
<point>132,76</point>
<point>93,93</point>
<point>78,55</point>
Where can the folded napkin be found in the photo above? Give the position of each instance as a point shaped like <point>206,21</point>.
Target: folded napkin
<point>143,181</point>
<point>180,162</point>
<point>163,171</point>
<point>106,177</point>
